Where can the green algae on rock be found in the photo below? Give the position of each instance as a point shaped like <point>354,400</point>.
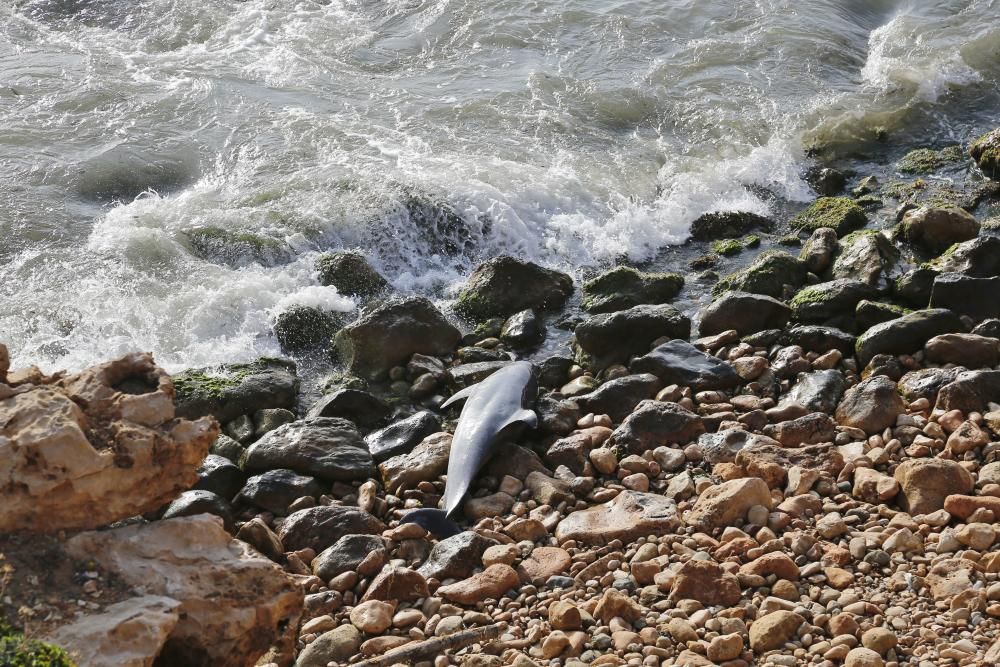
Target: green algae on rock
<point>839,213</point>
<point>236,248</point>
<point>767,274</point>
<point>727,224</point>
<point>232,390</point>
<point>350,273</point>
<point>926,160</point>
<point>986,152</point>
<point>623,287</point>
<point>504,285</point>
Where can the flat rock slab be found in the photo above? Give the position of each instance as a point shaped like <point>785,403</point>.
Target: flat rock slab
<point>680,362</point>
<point>626,517</point>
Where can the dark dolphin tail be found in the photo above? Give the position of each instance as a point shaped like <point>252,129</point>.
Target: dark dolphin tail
<point>433,521</point>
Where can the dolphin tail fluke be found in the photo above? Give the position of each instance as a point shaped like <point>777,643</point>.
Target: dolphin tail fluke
<point>433,521</point>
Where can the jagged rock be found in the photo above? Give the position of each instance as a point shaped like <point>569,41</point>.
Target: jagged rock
<point>257,534</point>
<point>772,463</point>
<point>426,462</point>
<point>906,334</point>
<point>965,295</point>
<point>623,287</point>
<point>523,330</point>
<point>234,604</point>
<point>727,225</point>
<point>767,274</point>
<point>867,256</point>
<point>573,451</point>
<point>871,486</point>
<point>456,557</point>
<point>970,391</point>
<point>723,446</point>
<point>391,332</point>
<point>838,213</point>
<point>818,391</point>
<point>914,287</point>
<point>810,429</point>
<point>397,583</point>
<point>938,228</point>
<point>350,273</point>
<point>655,423</point>
<point>926,382</point>
<point>324,447</point>
<point>680,362</point>
<point>96,447</point>
<point>871,405</point>
<point>817,252</point>
<point>275,490</point>
<point>614,337</point>
<point>364,409</point>
<point>236,389</point>
<point>220,476</point>
<point>744,312</point>
<point>976,258</point>
<point>925,483</point>
<point>820,302</point>
<point>504,285</point>
<point>320,527</point>
<point>626,517</point>
<point>346,555</point>
<point>722,505</point>
<point>771,631</point>
<point>195,502</point>
<point>402,436</point>
<point>707,583</point>
<point>302,328</point>
<point>617,398</point>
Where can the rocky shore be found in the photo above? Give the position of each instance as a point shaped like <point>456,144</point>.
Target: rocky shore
<point>804,472</point>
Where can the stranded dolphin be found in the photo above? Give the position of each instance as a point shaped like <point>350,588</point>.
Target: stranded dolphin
<point>492,407</point>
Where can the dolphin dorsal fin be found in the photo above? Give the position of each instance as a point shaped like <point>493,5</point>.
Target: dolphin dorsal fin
<point>459,396</point>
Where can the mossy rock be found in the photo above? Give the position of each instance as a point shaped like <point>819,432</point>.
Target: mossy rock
<point>751,241</point>
<point>623,287</point>
<point>302,328</point>
<point>220,245</point>
<point>350,273</point>
<point>866,255</point>
<point>820,302</point>
<point>978,258</point>
<point>18,651</point>
<point>986,152</point>
<point>232,390</point>
<point>504,285</point>
<point>706,261</point>
<point>767,274</point>
<point>727,247</point>
<point>841,214</point>
<point>790,241</point>
<point>727,224</point>
<point>927,160</point>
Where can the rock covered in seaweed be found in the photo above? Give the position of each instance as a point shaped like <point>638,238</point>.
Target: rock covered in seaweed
<point>505,285</point>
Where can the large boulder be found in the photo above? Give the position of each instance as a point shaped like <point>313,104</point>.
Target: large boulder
<point>840,214</point>
<point>935,229</point>
<point>986,152</point>
<point>724,504</point>
<point>925,483</point>
<point>614,337</point>
<point>234,604</point>
<point>871,405</point>
<point>328,448</point>
<point>768,274</point>
<point>820,302</point>
<point>906,334</point>
<point>364,409</point>
<point>746,313</point>
<point>96,447</point>
<point>978,258</point>
<point>301,328</point>
<point>680,362</point>
<point>655,423</point>
<point>391,332</point>
<point>504,285</point>
<point>965,295</point>
<point>617,398</point>
<point>232,390</point>
<point>320,527</point>
<point>350,273</point>
<point>623,287</point>
<point>866,256</point>
<point>727,225</point>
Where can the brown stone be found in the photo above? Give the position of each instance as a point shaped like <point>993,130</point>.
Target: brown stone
<point>397,583</point>
<point>724,504</point>
<point>565,616</point>
<point>777,563</point>
<point>810,429</point>
<point>616,603</point>
<point>874,487</point>
<point>626,517</point>
<point>772,463</point>
<point>925,483</point>
<point>773,630</point>
<point>542,563</point>
<point>492,582</point>
<point>706,582</point>
<point>949,578</point>
<point>963,506</point>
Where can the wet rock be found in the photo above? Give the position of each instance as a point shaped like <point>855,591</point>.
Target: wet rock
<point>350,273</point>
<point>553,372</point>
<point>456,557</point>
<point>986,152</point>
<point>727,224</point>
<point>817,252</point>
<point>679,362</point>
<point>320,527</point>
<point>234,604</point>
<point>504,285</point>
<point>772,463</point>
<point>557,416</point>
<point>818,338</point>
<point>623,287</point>
<point>724,504</point>
<point>275,490</point>
<point>629,515</point>
<point>655,423</point>
<point>235,248</point>
<point>925,483</point>
<point>236,389</point>
<point>767,274</point>
<point>723,446</point>
<point>906,334</point>
<point>402,436</point>
<point>838,213</point>
<point>976,258</point>
<point>744,312</point>
<point>614,337</point>
<point>967,350</point>
<point>523,330</point>
<point>346,555</point>
<point>426,462</point>
<point>810,429</point>
<point>191,503</point>
<point>707,583</point>
<point>302,328</point>
<point>970,391</point>
<point>492,582</point>
<point>466,375</point>
<point>617,398</point>
<point>820,302</point>
<point>965,295</point>
<point>220,476</point>
<point>871,405</point>
<point>867,256</point>
<point>97,447</point>
<point>324,447</point>
<point>869,313</point>
<point>391,332</point>
<point>336,645</point>
<point>360,407</point>
<point>914,287</point>
<point>936,228</point>
<point>819,391</point>
<point>926,382</point>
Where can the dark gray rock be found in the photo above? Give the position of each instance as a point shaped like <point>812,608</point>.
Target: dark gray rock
<point>236,389</point>
<point>391,332</point>
<point>228,448</point>
<point>362,408</point>
<point>818,251</point>
<point>654,423</point>
<point>618,397</point>
<point>926,382</point>
<point>302,328</point>
<point>869,313</point>
<point>971,391</point>
<point>557,416</point>
<point>906,334</point>
<point>504,285</point>
<point>990,328</point>
<point>818,338</point>
<point>746,313</point>
<point>768,274</point>
<point>325,447</point>
<point>553,372</point>
<point>819,391</point>
<point>195,502</point>
<point>265,421</point>
<point>680,362</point>
<point>472,354</point>
<point>523,330</point>
<point>275,490</point>
<point>623,287</point>
<point>220,476</point>
<point>466,375</point>
<point>867,256</point>
<point>727,225</point>
<point>975,297</point>
<point>456,557</point>
<point>320,527</point>
<point>402,436</point>
<point>614,337</point>
<point>820,302</point>
<point>978,258</point>
<point>350,273</point>
<point>345,556</point>
<point>914,287</point>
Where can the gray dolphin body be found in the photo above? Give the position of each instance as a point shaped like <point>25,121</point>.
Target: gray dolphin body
<point>491,408</point>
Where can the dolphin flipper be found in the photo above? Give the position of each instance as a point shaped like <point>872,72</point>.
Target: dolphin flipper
<point>459,396</point>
